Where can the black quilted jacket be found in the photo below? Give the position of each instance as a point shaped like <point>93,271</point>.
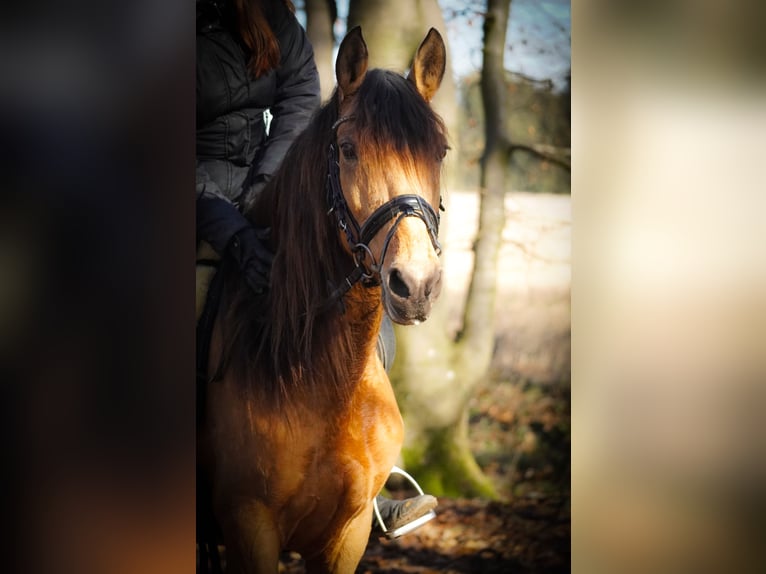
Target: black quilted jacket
<point>231,132</point>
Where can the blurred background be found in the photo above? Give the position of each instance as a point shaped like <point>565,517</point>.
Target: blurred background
<point>666,264</point>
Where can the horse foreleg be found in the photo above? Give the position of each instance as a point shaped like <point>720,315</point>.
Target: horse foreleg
<point>344,553</point>
<point>252,540</point>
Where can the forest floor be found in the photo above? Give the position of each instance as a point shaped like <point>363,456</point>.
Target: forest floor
<point>519,418</point>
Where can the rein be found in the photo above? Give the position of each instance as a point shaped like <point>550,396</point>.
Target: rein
<point>359,237</point>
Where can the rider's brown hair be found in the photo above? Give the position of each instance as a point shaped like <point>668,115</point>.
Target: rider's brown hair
<point>257,34</point>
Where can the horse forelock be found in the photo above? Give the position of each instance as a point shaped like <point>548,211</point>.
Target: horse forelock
<point>389,113</point>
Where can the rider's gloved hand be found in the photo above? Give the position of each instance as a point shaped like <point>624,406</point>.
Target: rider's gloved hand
<point>250,248</point>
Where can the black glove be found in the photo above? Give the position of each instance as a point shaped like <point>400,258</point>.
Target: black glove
<point>250,249</point>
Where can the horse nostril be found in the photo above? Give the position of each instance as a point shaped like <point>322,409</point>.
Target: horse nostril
<point>397,285</point>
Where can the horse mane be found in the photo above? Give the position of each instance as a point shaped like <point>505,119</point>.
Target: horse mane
<point>271,343</point>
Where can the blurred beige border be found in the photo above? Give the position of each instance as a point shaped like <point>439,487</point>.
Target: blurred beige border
<point>669,289</point>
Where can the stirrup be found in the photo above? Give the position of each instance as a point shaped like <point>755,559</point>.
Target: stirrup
<point>410,526</point>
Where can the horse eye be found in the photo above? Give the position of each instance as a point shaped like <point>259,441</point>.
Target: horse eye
<point>444,153</point>
<point>349,152</point>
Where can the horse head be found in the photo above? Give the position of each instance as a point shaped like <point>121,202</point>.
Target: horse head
<point>388,149</point>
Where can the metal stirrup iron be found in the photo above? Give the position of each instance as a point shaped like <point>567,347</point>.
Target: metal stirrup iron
<point>410,526</point>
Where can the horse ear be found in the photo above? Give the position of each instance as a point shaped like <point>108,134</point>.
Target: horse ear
<point>429,64</point>
<point>351,64</point>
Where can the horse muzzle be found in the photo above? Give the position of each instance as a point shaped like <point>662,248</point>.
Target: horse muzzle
<point>409,292</point>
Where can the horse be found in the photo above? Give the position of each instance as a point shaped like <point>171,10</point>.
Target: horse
<point>300,427</point>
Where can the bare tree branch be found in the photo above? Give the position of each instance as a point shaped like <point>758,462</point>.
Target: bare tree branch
<point>558,155</point>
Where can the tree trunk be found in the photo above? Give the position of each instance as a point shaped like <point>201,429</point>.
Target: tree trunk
<point>320,19</point>
<point>442,460</point>
<point>476,341</point>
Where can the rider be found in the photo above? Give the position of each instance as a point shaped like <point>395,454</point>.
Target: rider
<point>253,56</point>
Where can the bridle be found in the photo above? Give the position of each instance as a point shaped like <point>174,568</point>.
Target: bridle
<point>360,237</point>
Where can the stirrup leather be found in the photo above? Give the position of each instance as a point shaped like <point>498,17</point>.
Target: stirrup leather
<point>410,526</point>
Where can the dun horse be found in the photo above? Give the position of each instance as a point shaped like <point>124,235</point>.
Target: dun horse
<point>300,427</point>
